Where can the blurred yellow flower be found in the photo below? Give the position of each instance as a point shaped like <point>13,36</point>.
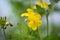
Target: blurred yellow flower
<point>38,3</point>
<point>34,7</point>
<point>41,4</point>
<point>34,19</point>
<point>44,5</point>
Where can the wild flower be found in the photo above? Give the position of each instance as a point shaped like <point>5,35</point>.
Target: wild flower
<point>34,19</point>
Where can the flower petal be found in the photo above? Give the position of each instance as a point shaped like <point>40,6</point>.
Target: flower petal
<point>34,28</point>
<point>24,14</point>
<point>38,16</point>
<point>29,10</point>
<point>30,24</point>
<point>38,3</point>
<point>39,23</point>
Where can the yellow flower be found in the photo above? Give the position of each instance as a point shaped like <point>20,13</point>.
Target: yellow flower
<point>24,14</point>
<point>34,19</point>
<point>38,3</point>
<point>42,4</point>
<point>29,14</point>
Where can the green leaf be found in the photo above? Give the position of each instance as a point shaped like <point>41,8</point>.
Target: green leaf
<point>40,10</point>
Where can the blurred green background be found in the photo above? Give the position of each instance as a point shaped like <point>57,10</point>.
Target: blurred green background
<point>13,9</point>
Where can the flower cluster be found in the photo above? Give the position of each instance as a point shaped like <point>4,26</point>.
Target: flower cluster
<point>34,19</point>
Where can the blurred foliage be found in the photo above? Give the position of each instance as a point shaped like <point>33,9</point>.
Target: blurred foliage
<point>21,31</point>
<point>19,6</point>
<point>54,35</point>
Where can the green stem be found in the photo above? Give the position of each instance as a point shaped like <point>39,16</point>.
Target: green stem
<point>47,22</point>
<point>39,38</point>
<point>31,3</point>
<point>4,34</point>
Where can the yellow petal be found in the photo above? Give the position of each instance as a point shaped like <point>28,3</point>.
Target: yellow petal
<point>30,24</point>
<point>45,5</point>
<point>38,16</point>
<point>39,22</point>
<point>38,3</point>
<point>41,5</point>
<point>29,10</point>
<point>24,14</point>
<point>34,28</point>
